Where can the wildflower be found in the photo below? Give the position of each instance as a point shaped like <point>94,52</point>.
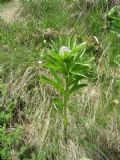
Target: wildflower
<point>40,62</point>
<point>64,49</point>
<point>115,101</point>
<point>44,42</point>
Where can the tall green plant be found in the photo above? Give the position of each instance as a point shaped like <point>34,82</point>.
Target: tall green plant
<point>69,68</point>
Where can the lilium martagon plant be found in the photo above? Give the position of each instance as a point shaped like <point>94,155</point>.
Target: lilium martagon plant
<point>68,69</point>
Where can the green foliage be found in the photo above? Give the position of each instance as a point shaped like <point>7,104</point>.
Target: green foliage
<point>3,1</point>
<point>9,137</point>
<point>68,68</point>
<point>94,119</point>
<point>50,13</point>
<point>20,46</point>
<point>113,18</point>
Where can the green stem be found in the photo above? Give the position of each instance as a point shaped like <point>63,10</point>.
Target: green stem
<point>65,111</point>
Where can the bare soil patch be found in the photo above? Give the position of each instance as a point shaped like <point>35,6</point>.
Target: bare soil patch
<point>11,11</point>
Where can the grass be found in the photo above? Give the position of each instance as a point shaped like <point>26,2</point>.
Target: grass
<point>30,126</point>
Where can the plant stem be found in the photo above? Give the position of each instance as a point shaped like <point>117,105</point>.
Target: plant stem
<point>65,112</point>
<point>65,119</point>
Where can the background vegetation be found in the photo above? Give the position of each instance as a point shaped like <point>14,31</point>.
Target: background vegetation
<point>30,127</point>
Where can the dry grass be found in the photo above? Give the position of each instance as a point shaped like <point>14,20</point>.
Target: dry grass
<point>94,120</point>
<point>43,125</point>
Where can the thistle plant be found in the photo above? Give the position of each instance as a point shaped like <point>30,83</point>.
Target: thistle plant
<point>69,69</point>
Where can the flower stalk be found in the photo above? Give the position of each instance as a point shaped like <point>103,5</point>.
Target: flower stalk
<point>67,68</point>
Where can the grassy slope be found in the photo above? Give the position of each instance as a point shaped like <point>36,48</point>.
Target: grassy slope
<point>26,104</point>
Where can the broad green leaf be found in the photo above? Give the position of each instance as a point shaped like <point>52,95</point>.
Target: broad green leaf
<point>83,64</point>
<point>56,77</point>
<point>78,73</point>
<point>80,47</point>
<point>75,79</point>
<point>78,67</point>
<point>56,68</point>
<point>53,84</point>
<point>79,56</point>
<point>54,60</point>
<point>74,43</point>
<point>57,61</point>
<point>66,56</point>
<point>76,87</point>
<point>58,104</point>
<point>69,60</point>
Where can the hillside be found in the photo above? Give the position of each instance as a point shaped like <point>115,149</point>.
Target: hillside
<point>60,80</point>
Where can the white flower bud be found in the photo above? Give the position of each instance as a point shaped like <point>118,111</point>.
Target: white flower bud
<point>64,49</point>
<point>44,42</point>
<point>40,62</point>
